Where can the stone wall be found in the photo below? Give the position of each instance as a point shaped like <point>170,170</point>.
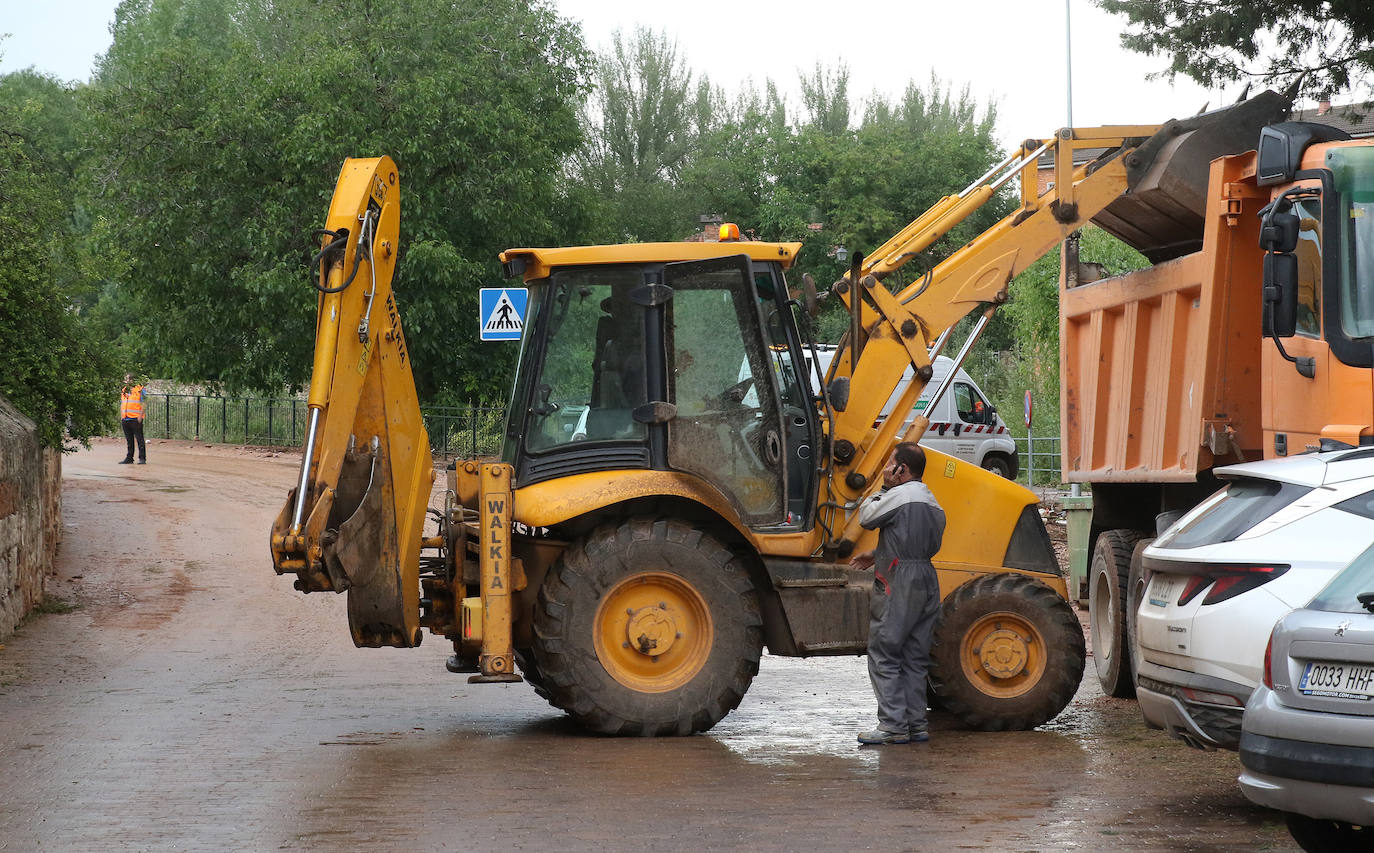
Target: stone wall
<point>30,516</point>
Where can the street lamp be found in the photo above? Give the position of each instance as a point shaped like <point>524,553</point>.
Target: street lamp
<point>841,254</point>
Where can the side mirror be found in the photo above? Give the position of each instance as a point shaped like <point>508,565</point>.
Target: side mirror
<point>1279,232</point>
<point>1280,295</point>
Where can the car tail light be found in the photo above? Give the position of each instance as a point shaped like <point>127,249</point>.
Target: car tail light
<point>1269,663</point>
<point>1223,580</point>
<point>1196,584</point>
<point>1247,578</point>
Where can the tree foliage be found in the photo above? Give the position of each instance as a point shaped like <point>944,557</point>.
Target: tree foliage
<point>56,370</point>
<point>220,126</point>
<point>213,132</point>
<point>1327,43</point>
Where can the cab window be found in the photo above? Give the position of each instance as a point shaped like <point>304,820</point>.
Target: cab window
<point>970,405</point>
<point>593,370</point>
<point>1309,254</point>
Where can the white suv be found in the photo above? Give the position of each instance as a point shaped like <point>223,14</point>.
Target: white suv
<point>1220,577</point>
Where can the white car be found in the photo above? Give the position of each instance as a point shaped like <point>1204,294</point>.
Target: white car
<point>1223,574</point>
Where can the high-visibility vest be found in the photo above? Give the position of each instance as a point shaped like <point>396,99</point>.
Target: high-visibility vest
<point>131,403</point>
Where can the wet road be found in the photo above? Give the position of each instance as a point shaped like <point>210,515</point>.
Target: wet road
<point>193,701</point>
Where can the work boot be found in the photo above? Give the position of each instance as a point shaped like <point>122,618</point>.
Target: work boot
<point>143,461</point>
<point>919,734</point>
<point>126,461</point>
<point>880,737</point>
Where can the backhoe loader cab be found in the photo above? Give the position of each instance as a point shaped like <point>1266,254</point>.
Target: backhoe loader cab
<point>648,356</point>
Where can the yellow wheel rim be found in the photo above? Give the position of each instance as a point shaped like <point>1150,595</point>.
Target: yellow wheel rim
<point>653,632</point>
<point>1003,655</point>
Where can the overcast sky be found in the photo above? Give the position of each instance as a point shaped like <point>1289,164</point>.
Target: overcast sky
<point>1007,50</point>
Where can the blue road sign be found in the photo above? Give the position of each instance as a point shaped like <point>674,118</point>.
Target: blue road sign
<point>501,313</point>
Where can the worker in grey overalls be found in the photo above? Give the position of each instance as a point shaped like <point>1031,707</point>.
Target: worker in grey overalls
<point>906,595</point>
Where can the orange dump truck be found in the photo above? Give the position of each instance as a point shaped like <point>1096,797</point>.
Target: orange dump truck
<point>1249,338</point>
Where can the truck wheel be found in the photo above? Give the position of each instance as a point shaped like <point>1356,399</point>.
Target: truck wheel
<point>999,465</point>
<point>1008,653</point>
<point>1108,580</point>
<point>1139,579</point>
<point>648,627</point>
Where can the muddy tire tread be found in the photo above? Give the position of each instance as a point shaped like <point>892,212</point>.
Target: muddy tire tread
<point>1115,675</point>
<point>1065,655</point>
<point>566,658</point>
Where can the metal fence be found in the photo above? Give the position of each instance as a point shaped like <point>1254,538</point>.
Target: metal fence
<point>463,431</point>
<point>281,422</point>
<point>1040,461</point>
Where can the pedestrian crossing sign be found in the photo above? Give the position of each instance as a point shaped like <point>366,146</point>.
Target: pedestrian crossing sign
<point>501,313</point>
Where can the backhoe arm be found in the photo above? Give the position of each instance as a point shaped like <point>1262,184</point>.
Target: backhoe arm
<point>1148,173</point>
<point>355,520</point>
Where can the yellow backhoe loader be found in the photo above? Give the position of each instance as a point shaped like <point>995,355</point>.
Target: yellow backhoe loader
<point>676,492</point>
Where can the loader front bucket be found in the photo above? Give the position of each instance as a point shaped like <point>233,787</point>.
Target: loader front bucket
<point>1162,214</point>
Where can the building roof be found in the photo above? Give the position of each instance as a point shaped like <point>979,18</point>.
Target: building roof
<point>1355,119</point>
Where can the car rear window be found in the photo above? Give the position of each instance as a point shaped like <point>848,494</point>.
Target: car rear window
<point>1339,595</point>
<point>1244,503</point>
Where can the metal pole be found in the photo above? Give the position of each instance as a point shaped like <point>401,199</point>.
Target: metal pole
<point>948,380</point>
<point>197,417</point>
<point>167,416</point>
<point>299,510</point>
<point>473,411</point>
<point>270,442</point>
<point>223,420</point>
<point>245,420</point>
<point>1030,459</point>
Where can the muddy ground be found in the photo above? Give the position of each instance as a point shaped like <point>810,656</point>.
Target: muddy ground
<point>192,701</point>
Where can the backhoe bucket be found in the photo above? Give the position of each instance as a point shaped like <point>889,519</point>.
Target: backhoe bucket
<point>1162,214</point>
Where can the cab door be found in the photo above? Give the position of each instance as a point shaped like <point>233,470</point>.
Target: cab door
<point>727,426</point>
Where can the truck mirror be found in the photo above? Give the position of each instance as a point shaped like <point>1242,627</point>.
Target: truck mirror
<point>1280,295</point>
<point>1279,231</point>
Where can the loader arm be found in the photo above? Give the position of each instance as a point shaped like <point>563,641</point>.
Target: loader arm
<point>898,327</point>
<point>355,520</point>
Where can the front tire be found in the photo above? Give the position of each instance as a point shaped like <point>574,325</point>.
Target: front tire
<point>648,627</point>
<point>1108,583</point>
<point>999,465</point>
<point>1008,653</point>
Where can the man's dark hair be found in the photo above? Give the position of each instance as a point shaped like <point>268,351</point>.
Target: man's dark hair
<point>912,457</point>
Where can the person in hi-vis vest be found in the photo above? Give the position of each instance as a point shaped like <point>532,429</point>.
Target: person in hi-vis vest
<point>131,401</point>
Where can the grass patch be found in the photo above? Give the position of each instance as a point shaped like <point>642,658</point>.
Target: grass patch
<point>53,604</point>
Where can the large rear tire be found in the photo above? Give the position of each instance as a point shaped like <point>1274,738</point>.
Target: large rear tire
<point>648,627</point>
<point>1008,653</point>
<point>1108,583</point>
<point>524,658</point>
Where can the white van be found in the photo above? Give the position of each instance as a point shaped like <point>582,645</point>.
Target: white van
<point>964,423</point>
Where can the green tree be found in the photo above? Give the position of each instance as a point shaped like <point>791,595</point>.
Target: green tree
<point>1328,43</point>
<point>219,127</point>
<point>642,120</point>
<point>57,370</point>
<point>863,185</point>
